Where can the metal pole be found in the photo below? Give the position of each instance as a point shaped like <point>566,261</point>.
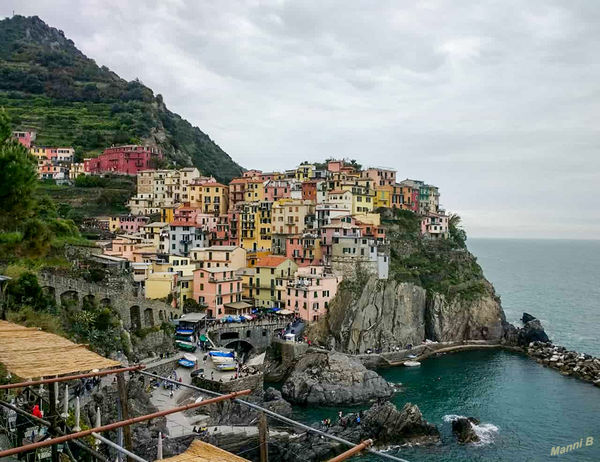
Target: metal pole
<point>118,448</point>
<point>350,452</point>
<point>123,423</point>
<point>124,410</point>
<point>66,378</point>
<point>278,417</point>
<point>263,437</point>
<point>52,416</point>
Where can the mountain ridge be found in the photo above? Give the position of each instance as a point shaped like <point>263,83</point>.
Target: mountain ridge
<point>48,85</point>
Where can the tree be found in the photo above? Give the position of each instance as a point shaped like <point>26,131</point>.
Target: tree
<point>18,178</point>
<point>457,234</point>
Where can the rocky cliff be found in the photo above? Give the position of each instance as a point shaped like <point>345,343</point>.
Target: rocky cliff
<point>389,313</point>
<point>436,290</point>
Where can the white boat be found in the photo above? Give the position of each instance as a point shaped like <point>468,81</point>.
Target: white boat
<point>412,363</point>
<point>222,357</point>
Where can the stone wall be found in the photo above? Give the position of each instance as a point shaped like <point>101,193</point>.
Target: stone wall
<point>252,382</point>
<point>259,336</point>
<point>120,293</point>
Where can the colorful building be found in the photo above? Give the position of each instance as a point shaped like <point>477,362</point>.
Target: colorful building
<point>270,282</point>
<point>233,257</point>
<point>126,160</point>
<point>310,292</point>
<point>219,290</point>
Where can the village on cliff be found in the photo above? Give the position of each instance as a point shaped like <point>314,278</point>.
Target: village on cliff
<point>279,241</point>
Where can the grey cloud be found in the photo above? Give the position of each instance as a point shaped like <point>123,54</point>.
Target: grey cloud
<point>494,101</point>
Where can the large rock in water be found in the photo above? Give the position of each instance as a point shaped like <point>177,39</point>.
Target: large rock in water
<point>527,317</point>
<point>462,427</point>
<point>532,332</point>
<point>333,379</point>
<point>388,313</point>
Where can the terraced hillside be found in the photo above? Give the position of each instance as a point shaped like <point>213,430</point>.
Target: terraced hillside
<point>48,85</point>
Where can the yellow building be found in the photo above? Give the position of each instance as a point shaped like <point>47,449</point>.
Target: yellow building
<point>160,285</point>
<point>304,172</point>
<point>289,216</point>
<point>270,281</point>
<point>152,232</point>
<point>215,198</point>
<point>218,256</point>
<point>363,196</point>
<point>255,190</point>
<point>166,213</point>
<point>255,225</point>
<point>253,256</point>
<point>383,196</point>
<point>248,275</point>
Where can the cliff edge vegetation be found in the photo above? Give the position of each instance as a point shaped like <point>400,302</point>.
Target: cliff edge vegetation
<point>436,290</point>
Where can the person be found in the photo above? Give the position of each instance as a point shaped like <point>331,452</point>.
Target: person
<point>194,430</point>
<point>171,393</point>
<point>37,412</point>
<point>340,415</point>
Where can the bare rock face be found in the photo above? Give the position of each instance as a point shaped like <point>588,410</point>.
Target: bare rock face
<point>388,313</point>
<point>458,319</point>
<point>333,379</point>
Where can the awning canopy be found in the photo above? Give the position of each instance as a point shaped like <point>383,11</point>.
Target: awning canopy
<point>30,353</point>
<point>284,312</point>
<point>238,305</point>
<point>199,451</point>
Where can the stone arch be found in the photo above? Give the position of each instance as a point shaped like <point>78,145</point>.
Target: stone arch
<point>241,346</point>
<point>229,335</point>
<point>148,317</point>
<point>135,316</point>
<point>49,291</point>
<point>88,301</point>
<point>106,301</point>
<point>69,297</point>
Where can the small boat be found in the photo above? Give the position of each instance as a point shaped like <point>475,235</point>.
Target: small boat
<point>186,346</point>
<point>412,363</point>
<point>227,367</point>
<point>185,338</point>
<point>222,357</point>
<point>186,363</point>
<point>411,356</point>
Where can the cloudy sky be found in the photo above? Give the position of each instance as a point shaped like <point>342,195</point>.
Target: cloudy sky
<point>496,102</point>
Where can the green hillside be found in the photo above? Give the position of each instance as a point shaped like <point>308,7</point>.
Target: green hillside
<point>48,85</point>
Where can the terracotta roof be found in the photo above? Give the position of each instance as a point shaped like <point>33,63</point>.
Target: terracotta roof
<point>183,223</point>
<point>339,191</point>
<point>271,261</point>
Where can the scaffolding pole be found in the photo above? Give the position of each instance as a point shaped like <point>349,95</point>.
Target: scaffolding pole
<point>122,450</point>
<point>66,378</point>
<point>123,423</point>
<point>352,451</point>
<point>277,416</point>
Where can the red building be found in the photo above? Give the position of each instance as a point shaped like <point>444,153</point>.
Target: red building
<point>127,160</point>
<point>309,190</point>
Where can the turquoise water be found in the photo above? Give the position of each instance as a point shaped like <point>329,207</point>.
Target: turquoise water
<point>524,408</point>
<point>557,281</point>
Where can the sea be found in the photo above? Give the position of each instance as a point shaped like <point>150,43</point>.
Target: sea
<point>524,409</point>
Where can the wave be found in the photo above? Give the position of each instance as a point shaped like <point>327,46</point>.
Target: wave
<point>485,431</point>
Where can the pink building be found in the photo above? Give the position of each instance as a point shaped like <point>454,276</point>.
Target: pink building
<point>223,234</point>
<point>132,223</point>
<point>207,221</point>
<point>252,173</point>
<point>277,189</point>
<point>220,291</point>
<point>25,138</point>
<point>311,291</point>
<point>127,160</point>
<point>380,176</point>
<point>186,214</point>
<point>435,226</point>
<point>304,249</point>
<point>122,248</point>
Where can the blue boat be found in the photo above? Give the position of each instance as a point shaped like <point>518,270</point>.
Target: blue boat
<point>222,354</point>
<point>186,363</point>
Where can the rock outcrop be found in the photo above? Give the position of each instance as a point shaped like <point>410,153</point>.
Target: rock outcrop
<point>333,379</point>
<point>383,423</point>
<point>527,317</point>
<point>462,427</point>
<point>388,313</point>
<point>579,365</point>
